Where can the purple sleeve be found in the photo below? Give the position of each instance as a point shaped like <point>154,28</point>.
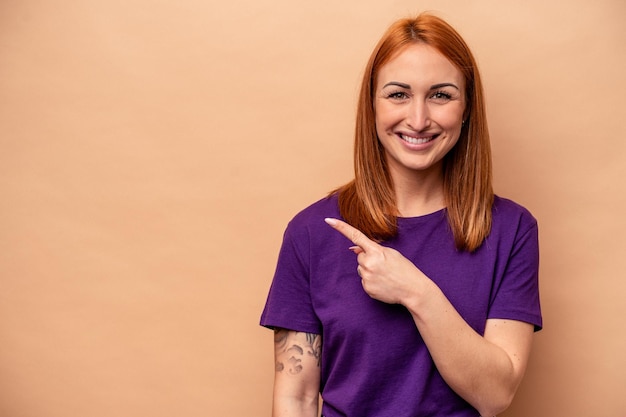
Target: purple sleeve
<point>517,297</point>
<point>289,303</point>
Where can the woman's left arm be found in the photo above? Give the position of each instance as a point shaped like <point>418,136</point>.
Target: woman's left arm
<point>484,370</point>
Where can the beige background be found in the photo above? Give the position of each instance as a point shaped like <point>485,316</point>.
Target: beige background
<point>152,152</point>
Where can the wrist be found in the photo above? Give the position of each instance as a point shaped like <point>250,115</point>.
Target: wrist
<point>418,294</point>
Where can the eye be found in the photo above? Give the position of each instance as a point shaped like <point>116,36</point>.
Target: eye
<point>397,95</point>
<point>441,96</point>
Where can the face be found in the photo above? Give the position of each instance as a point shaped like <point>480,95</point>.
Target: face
<point>419,105</point>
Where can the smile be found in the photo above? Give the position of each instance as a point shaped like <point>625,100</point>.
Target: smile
<point>417,141</point>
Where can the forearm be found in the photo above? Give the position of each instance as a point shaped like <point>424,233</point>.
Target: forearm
<point>485,370</point>
<point>482,372</point>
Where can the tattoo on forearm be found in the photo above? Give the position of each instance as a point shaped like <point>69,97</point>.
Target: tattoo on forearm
<point>314,347</point>
<point>291,351</point>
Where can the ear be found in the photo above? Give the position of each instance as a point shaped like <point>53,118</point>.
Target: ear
<point>468,109</point>
<point>466,116</point>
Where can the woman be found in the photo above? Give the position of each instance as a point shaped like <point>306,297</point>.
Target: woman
<point>432,310</point>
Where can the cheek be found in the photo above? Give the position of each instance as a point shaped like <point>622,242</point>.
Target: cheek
<point>381,130</point>
<point>387,116</point>
<point>451,120</point>
<point>380,121</point>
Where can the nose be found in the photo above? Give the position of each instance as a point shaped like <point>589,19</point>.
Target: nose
<point>418,117</point>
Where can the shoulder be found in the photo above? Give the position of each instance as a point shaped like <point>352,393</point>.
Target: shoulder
<point>316,213</point>
<point>508,212</point>
<point>308,224</point>
<point>512,224</point>
<point>307,233</point>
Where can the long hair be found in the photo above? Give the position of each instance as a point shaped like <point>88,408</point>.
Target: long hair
<point>368,202</point>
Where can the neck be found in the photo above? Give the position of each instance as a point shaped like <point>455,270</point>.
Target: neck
<point>419,194</point>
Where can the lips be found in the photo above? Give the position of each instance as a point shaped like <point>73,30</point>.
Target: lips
<point>418,141</point>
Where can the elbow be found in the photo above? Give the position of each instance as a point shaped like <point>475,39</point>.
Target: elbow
<point>496,398</point>
<point>496,404</point>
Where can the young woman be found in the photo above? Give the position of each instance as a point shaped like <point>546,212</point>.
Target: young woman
<point>412,291</point>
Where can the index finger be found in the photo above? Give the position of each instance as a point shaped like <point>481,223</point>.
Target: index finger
<point>355,235</point>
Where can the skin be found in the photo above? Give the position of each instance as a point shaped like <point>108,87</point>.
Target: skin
<point>297,377</point>
<point>419,97</point>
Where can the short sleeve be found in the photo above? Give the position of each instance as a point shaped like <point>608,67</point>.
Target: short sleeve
<point>517,296</point>
<point>289,303</point>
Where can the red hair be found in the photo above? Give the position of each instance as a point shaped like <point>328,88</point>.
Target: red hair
<point>368,202</point>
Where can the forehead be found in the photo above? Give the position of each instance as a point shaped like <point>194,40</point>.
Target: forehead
<point>419,63</point>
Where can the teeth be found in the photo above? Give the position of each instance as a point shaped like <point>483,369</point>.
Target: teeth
<point>416,141</point>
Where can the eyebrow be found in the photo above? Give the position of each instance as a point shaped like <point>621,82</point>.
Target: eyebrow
<point>432,87</point>
<point>436,86</point>
<point>397,83</point>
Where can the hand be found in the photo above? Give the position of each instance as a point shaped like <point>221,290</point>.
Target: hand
<point>386,275</point>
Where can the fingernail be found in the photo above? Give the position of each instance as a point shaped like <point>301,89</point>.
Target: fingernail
<point>330,221</point>
<point>356,249</point>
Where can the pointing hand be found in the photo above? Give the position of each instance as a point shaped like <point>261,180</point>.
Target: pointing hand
<point>386,275</point>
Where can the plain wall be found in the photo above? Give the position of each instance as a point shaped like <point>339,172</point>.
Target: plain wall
<point>152,152</point>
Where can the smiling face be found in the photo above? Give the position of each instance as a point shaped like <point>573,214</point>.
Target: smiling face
<point>419,105</point>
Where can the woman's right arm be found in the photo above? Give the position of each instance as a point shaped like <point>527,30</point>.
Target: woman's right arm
<point>297,377</point>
